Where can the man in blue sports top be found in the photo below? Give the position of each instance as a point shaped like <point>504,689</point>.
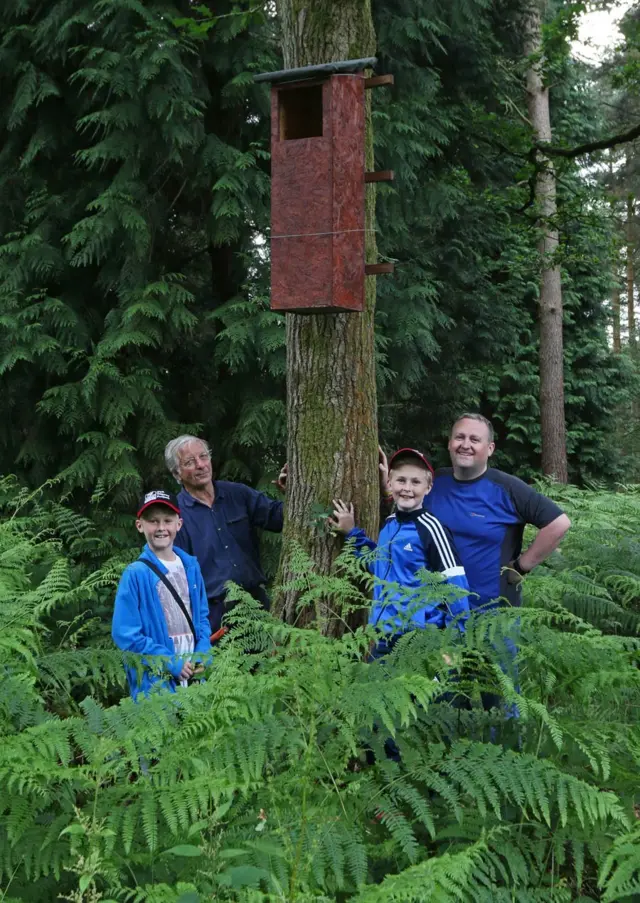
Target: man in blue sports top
<point>487,510</point>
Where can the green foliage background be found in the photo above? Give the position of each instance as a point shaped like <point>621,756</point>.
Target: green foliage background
<point>459,320</point>
<point>134,181</point>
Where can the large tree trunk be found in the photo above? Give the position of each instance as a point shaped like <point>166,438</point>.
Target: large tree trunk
<point>331,390</point>
<point>552,422</point>
<point>631,314</point>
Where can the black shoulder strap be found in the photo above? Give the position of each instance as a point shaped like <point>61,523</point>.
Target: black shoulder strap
<point>174,593</point>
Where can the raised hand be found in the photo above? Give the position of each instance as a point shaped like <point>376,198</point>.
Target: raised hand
<point>383,466</point>
<point>281,482</point>
<point>343,519</point>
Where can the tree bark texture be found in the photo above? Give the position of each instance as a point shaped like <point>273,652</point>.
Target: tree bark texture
<point>331,391</point>
<point>552,418</point>
<point>631,313</point>
<point>616,324</point>
<point>615,316</point>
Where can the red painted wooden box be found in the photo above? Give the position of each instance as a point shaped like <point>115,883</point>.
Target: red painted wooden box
<point>318,194</point>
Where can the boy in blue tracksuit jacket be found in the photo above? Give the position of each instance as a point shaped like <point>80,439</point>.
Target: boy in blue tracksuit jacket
<point>161,609</point>
<point>411,540</point>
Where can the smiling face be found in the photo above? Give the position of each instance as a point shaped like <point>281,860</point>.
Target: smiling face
<point>194,466</point>
<point>470,448</point>
<point>159,524</point>
<point>409,483</point>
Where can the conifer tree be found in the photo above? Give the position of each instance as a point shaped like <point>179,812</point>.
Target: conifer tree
<point>165,321</point>
<point>457,325</point>
<point>552,413</point>
<point>133,183</point>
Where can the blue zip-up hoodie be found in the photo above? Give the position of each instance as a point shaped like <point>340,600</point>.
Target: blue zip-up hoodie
<point>408,542</point>
<point>139,623</point>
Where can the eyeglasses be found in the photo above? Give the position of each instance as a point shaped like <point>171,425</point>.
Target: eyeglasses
<point>191,462</point>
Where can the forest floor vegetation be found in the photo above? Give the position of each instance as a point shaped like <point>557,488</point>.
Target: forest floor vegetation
<point>269,781</point>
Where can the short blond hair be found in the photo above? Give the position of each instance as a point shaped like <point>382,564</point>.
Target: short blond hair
<point>403,460</point>
<point>480,419</point>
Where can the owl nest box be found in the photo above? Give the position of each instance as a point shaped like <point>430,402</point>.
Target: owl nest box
<point>318,184</point>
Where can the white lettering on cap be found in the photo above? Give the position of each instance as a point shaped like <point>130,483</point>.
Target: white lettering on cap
<point>154,496</point>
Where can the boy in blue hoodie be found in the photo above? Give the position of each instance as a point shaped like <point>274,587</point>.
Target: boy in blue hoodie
<point>411,540</point>
<point>161,607</point>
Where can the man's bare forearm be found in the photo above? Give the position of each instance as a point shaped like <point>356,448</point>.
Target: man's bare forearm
<point>547,540</point>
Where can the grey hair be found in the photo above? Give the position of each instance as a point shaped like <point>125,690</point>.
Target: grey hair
<point>171,452</point>
<point>481,419</point>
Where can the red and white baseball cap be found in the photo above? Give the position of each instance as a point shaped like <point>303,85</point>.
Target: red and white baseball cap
<point>411,453</point>
<point>158,497</point>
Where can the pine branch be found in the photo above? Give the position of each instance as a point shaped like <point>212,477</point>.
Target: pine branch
<point>589,147</point>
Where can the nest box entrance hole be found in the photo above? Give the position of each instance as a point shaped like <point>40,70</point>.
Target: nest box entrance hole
<point>300,112</point>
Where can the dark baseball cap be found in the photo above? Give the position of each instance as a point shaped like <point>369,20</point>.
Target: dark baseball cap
<point>411,453</point>
<point>158,497</point>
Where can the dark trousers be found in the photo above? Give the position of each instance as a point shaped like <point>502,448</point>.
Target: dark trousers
<point>218,606</point>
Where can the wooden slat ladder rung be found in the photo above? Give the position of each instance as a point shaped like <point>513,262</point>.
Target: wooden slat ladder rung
<point>378,269</point>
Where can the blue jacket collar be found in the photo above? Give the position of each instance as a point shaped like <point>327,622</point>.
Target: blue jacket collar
<point>147,553</point>
<point>187,499</point>
<point>407,516</point>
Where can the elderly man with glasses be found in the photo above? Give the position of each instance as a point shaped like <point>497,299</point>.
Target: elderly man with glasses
<point>220,523</point>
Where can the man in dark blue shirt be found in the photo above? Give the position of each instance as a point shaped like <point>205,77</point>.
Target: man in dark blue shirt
<point>487,510</point>
<point>220,523</point>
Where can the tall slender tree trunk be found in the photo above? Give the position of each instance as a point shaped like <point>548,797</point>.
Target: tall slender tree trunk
<point>615,293</point>
<point>331,390</point>
<point>552,422</point>
<point>615,316</point>
<point>631,313</point>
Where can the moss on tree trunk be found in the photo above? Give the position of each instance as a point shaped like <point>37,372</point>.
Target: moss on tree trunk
<point>331,391</point>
